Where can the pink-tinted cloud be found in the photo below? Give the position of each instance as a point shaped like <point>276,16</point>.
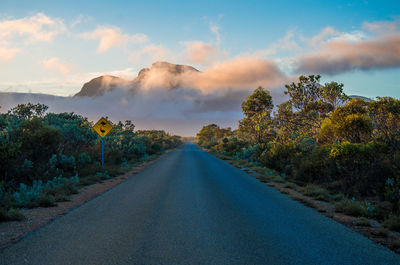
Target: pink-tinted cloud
<point>382,27</point>
<point>154,52</point>
<point>35,28</point>
<point>198,52</point>
<point>340,56</point>
<point>55,64</point>
<point>112,36</point>
<point>239,74</point>
<point>7,54</point>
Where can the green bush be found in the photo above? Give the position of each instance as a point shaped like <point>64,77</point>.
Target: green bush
<point>277,156</point>
<point>11,214</point>
<point>392,222</point>
<point>316,192</point>
<point>357,208</point>
<point>361,168</point>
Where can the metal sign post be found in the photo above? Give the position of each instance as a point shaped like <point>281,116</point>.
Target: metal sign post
<point>102,152</point>
<point>102,128</point>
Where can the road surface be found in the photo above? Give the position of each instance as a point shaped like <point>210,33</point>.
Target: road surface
<point>192,208</point>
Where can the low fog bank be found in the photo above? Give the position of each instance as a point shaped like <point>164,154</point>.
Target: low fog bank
<point>179,111</point>
<point>168,97</point>
<point>183,114</point>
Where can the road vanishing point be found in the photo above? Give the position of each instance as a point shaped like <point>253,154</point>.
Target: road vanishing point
<point>190,207</point>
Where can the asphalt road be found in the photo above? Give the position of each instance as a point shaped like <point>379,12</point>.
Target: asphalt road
<point>192,208</point>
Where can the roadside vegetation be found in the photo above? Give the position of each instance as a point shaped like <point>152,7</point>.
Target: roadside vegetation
<point>46,157</point>
<point>345,151</point>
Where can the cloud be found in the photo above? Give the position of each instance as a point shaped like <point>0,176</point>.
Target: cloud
<point>243,73</point>
<point>55,64</point>
<point>80,19</point>
<point>7,54</point>
<point>239,73</point>
<point>155,52</point>
<point>37,28</point>
<point>340,56</point>
<point>112,36</point>
<point>198,52</point>
<point>215,29</point>
<point>326,32</point>
<point>382,27</point>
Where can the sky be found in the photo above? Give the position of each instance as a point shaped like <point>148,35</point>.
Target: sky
<point>54,47</point>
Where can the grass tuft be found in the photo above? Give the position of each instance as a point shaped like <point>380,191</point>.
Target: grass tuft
<point>315,192</point>
<point>290,186</point>
<point>362,221</point>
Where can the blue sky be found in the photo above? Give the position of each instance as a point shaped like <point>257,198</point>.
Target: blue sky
<point>178,31</point>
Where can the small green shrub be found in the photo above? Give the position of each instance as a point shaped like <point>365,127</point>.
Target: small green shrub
<point>278,179</point>
<point>357,208</point>
<point>362,221</point>
<point>316,192</point>
<point>291,186</point>
<point>350,207</point>
<point>11,214</point>
<point>338,197</point>
<point>393,222</point>
<point>46,200</point>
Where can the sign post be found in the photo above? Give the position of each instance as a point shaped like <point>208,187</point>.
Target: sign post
<point>102,152</point>
<point>102,128</point>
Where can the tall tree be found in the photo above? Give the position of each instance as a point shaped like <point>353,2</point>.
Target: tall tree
<point>257,109</point>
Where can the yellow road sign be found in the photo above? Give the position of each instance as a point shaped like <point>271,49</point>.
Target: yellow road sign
<point>102,127</point>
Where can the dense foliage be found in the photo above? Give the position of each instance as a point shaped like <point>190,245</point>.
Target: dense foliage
<point>319,136</point>
<point>45,157</point>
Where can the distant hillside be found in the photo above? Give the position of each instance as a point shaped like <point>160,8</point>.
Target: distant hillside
<point>164,72</point>
<point>100,85</point>
<point>360,97</point>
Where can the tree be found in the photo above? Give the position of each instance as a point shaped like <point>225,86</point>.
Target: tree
<point>350,122</point>
<point>29,110</point>
<point>385,114</point>
<point>312,102</point>
<point>333,93</point>
<point>211,134</point>
<point>257,109</point>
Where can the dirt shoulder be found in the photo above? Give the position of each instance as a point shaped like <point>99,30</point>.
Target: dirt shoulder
<point>12,232</point>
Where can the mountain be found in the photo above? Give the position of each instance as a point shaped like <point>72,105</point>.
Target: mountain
<point>161,74</point>
<point>100,85</point>
<point>360,97</point>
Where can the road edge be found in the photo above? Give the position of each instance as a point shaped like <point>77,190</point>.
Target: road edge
<point>13,231</point>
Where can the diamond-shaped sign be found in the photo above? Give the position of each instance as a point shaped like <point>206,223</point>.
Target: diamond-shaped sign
<point>102,127</point>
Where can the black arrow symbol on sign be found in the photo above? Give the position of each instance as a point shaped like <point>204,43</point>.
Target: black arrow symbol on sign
<point>103,123</point>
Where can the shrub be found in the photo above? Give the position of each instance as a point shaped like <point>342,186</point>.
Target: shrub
<point>361,168</point>
<point>316,192</point>
<point>392,222</point>
<point>40,194</point>
<point>11,214</point>
<point>357,208</point>
<point>28,196</point>
<point>314,166</point>
<point>338,197</point>
<point>277,156</point>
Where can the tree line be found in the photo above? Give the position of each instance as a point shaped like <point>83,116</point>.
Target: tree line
<point>321,136</point>
<point>45,157</point>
